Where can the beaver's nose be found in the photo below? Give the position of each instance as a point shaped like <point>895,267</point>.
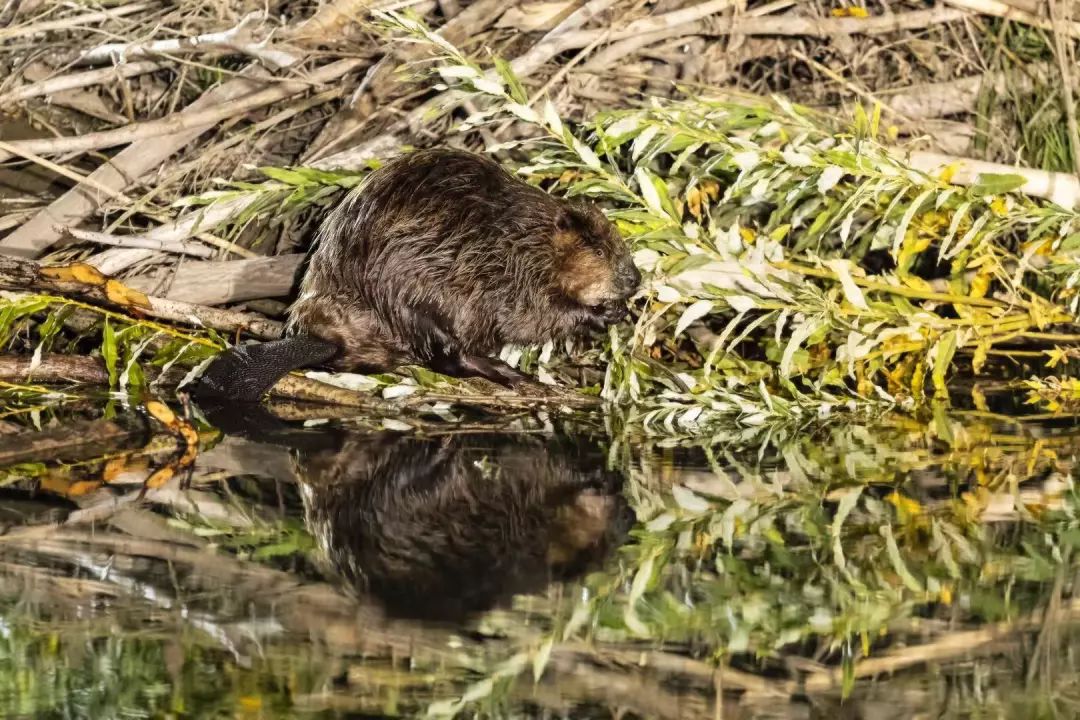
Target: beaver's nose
<point>628,280</point>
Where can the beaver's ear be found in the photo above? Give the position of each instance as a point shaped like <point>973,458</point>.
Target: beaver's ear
<point>569,220</point>
<point>568,229</point>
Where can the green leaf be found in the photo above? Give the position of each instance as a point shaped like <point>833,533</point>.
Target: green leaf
<point>108,352</point>
<point>517,90</point>
<point>943,355</point>
<point>996,184</point>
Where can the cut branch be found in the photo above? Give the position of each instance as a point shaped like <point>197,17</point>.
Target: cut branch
<point>218,283</point>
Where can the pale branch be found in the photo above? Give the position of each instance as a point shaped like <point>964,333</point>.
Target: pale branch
<point>219,283</point>
<point>52,369</point>
<point>1060,188</point>
<point>237,39</point>
<point>933,100</point>
<point>75,81</point>
<point>139,241</point>
<point>181,121</point>
<point>115,260</point>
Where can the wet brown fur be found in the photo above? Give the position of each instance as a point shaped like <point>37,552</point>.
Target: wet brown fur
<point>440,528</point>
<point>441,257</point>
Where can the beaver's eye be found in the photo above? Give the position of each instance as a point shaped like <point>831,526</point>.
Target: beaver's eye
<point>599,251</point>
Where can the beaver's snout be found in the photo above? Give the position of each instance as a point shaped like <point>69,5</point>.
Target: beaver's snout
<point>627,280</point>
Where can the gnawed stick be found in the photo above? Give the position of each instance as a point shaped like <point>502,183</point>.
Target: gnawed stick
<point>218,283</point>
<point>53,369</point>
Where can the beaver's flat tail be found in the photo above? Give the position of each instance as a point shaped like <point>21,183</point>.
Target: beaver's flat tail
<point>247,372</point>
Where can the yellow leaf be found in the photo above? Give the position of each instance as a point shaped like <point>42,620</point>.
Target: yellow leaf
<point>747,235</point>
<point>161,412</point>
<point>906,507</point>
<point>121,294</point>
<point>978,398</point>
<point>999,207</point>
<point>251,703</point>
<point>75,272</point>
<point>979,285</point>
<point>83,487</point>
<point>693,202</point>
<point>948,172</point>
<point>945,595</point>
<point>854,11</point>
<point>160,477</point>
<point>978,360</point>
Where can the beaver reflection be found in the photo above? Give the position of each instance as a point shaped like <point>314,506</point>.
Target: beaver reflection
<point>442,528</point>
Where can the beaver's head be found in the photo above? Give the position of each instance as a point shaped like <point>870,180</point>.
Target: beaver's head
<point>593,262</point>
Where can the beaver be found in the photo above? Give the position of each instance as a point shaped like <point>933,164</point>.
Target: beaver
<point>441,528</point>
<point>438,259</point>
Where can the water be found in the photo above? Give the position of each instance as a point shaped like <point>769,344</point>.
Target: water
<point>532,566</point>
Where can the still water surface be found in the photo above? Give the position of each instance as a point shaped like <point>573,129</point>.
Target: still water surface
<point>523,567</point>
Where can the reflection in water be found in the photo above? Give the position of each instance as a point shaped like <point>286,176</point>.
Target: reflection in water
<point>438,528</point>
<point>822,567</point>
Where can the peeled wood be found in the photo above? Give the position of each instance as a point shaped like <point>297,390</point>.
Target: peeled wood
<point>218,283</point>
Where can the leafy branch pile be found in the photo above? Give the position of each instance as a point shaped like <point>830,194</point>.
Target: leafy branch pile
<point>792,269</point>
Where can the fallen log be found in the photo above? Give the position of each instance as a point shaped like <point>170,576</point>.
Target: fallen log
<point>84,281</point>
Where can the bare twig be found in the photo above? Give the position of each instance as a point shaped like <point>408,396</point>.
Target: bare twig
<point>53,369</point>
<point>933,100</point>
<point>136,241</point>
<point>238,39</point>
<point>1060,188</point>
<point>73,81</point>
